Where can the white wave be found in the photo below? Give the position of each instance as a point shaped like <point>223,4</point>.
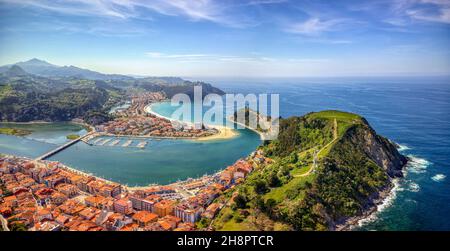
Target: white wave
<point>417,165</point>
<point>402,148</point>
<point>438,177</point>
<point>413,187</point>
<point>387,202</point>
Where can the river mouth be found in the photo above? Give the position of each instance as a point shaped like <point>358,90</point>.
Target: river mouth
<point>160,161</point>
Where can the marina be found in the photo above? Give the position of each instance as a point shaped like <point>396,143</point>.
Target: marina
<point>117,142</point>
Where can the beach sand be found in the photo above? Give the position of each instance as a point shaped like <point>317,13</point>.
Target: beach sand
<point>224,133</point>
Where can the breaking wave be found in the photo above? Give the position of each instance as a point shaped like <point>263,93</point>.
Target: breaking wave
<point>413,187</point>
<point>402,148</point>
<point>416,164</point>
<point>438,177</point>
<point>387,202</point>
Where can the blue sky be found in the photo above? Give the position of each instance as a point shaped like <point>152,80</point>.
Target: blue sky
<point>224,38</point>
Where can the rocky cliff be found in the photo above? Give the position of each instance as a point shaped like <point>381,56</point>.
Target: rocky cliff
<point>377,148</point>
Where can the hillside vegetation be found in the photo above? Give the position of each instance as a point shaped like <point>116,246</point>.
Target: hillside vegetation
<point>54,93</point>
<point>327,166</point>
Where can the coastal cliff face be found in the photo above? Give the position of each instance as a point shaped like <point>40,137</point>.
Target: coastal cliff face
<point>369,163</point>
<point>377,148</point>
<point>329,168</point>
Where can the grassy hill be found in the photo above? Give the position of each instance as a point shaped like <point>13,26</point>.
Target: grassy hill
<point>327,166</point>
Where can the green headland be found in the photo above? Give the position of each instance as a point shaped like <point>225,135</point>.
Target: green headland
<point>326,168</point>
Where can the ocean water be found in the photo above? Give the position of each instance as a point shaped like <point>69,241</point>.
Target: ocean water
<point>413,112</point>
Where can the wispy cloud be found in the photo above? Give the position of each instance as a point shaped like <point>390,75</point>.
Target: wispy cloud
<point>441,15</point>
<point>113,8</point>
<point>314,26</point>
<point>408,12</point>
<point>220,12</point>
<point>198,57</point>
<point>203,57</point>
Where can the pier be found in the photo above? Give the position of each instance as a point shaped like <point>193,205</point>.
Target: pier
<point>98,140</point>
<point>126,144</point>
<point>62,147</point>
<point>142,144</point>
<point>115,142</point>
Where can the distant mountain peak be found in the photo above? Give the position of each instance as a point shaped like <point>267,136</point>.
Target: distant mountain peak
<point>36,61</point>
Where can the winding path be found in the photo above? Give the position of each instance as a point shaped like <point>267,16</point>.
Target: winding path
<point>335,137</point>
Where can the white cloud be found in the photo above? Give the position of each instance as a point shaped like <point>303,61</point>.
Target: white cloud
<point>220,12</point>
<point>112,8</point>
<point>404,11</point>
<point>442,15</point>
<point>255,58</point>
<point>314,26</point>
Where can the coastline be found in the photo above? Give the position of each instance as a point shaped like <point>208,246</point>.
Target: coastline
<point>261,135</point>
<point>224,132</point>
<point>378,202</point>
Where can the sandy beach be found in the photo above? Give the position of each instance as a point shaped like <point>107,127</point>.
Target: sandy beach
<point>224,132</point>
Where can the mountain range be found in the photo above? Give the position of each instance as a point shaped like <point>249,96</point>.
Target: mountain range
<point>43,68</point>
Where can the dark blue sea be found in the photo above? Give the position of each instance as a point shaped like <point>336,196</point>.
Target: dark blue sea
<point>413,112</point>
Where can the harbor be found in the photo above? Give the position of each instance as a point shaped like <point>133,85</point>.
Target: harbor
<point>118,142</point>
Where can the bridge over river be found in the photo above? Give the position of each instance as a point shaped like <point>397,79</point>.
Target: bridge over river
<point>62,147</point>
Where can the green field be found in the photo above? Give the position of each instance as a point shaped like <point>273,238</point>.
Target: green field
<point>72,136</point>
<point>14,131</point>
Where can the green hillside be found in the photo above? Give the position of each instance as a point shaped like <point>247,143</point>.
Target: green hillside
<point>322,173</point>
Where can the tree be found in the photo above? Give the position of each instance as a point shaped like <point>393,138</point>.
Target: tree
<point>260,186</point>
<point>273,179</point>
<point>293,157</point>
<point>240,201</point>
<point>270,206</point>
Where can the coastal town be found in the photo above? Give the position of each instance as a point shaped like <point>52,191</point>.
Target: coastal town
<point>39,195</point>
<point>136,121</point>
